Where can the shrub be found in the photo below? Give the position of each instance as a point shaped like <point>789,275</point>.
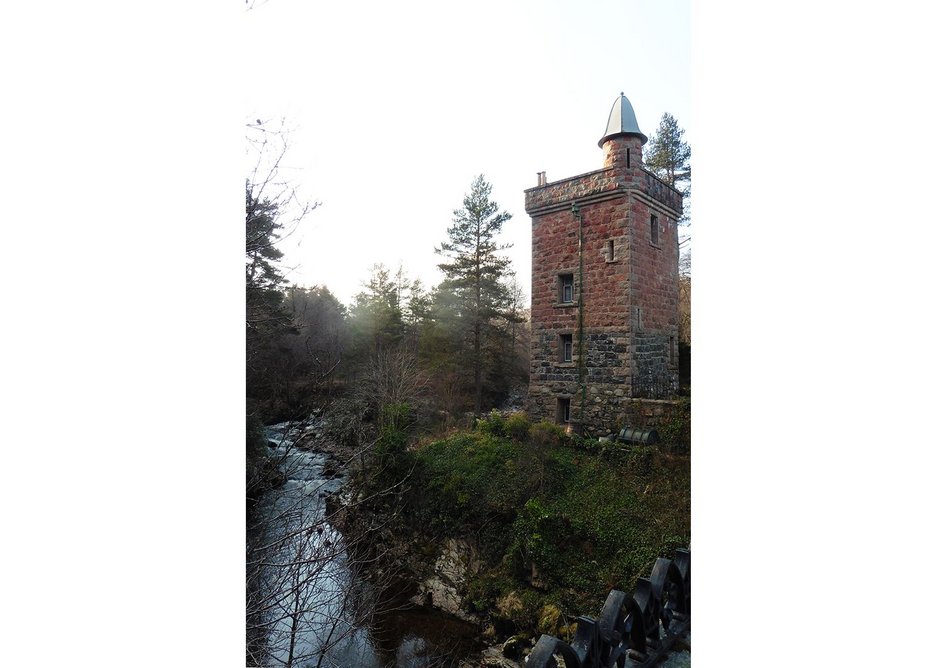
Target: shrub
<point>493,425</point>
<point>547,434</point>
<point>549,620</point>
<point>675,433</point>
<point>396,415</point>
<point>390,449</point>
<point>517,426</point>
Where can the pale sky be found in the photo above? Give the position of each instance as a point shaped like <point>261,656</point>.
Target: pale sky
<point>396,107</point>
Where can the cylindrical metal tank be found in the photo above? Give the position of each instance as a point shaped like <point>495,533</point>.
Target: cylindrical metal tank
<point>637,435</point>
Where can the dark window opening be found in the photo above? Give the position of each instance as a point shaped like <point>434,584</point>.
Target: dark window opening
<point>672,351</point>
<point>566,288</point>
<point>563,409</point>
<point>566,347</point>
<point>654,229</point>
<point>628,157</point>
<point>610,250</point>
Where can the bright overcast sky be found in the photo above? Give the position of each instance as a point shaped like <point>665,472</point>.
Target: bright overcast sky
<point>395,107</point>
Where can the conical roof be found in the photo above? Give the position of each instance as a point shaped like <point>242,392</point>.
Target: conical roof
<point>622,121</point>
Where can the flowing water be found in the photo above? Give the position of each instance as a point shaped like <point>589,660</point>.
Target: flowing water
<point>314,609</point>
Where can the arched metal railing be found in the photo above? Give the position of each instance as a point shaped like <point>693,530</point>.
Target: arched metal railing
<point>633,630</point>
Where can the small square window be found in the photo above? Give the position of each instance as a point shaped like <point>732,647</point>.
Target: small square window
<point>654,229</point>
<point>566,347</point>
<point>565,282</point>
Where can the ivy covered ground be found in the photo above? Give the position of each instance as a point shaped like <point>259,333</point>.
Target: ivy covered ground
<point>558,520</point>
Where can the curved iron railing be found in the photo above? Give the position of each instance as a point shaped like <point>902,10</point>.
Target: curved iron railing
<point>633,630</point>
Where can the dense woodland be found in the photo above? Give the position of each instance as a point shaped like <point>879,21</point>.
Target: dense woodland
<point>445,350</point>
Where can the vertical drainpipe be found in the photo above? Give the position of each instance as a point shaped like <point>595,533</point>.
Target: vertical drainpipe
<point>581,359</point>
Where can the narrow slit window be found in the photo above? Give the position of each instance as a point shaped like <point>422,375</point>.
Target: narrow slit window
<point>610,250</point>
<point>654,229</point>
<point>628,157</point>
<point>672,351</point>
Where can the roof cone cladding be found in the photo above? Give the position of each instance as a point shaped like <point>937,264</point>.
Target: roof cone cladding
<point>622,121</point>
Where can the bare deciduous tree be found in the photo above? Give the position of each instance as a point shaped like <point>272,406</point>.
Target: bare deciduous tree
<point>392,376</point>
<point>308,599</point>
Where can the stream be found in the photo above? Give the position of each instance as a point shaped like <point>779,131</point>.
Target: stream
<point>314,610</point>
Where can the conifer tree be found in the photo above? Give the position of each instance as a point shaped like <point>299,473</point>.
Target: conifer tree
<point>668,154</point>
<point>475,271</point>
<point>266,319</point>
<point>376,317</point>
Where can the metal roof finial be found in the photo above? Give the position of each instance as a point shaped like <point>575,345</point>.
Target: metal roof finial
<point>622,121</point>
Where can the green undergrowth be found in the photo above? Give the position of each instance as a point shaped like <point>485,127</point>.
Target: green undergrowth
<point>558,521</point>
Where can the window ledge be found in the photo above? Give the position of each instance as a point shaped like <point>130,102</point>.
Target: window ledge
<point>564,304</point>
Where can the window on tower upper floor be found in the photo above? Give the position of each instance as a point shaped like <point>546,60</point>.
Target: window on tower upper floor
<point>566,347</point>
<point>654,229</point>
<point>565,288</point>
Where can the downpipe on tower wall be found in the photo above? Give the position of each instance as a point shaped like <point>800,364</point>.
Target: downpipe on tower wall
<point>581,359</point>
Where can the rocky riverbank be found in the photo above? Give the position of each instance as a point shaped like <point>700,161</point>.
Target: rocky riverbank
<point>490,537</point>
<point>431,574</point>
<point>518,528</point>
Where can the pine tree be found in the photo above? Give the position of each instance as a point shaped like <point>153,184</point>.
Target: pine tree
<point>266,319</point>
<point>263,229</point>
<point>376,317</point>
<point>668,154</point>
<point>475,271</point>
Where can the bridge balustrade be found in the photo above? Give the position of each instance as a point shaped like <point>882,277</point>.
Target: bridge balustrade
<point>633,630</point>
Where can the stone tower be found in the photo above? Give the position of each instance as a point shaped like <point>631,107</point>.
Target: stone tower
<point>604,285</point>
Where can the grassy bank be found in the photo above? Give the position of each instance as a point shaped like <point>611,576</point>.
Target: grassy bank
<point>558,521</point>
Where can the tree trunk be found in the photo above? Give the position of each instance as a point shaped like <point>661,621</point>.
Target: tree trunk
<point>477,363</point>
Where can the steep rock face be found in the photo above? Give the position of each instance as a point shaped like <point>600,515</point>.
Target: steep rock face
<point>441,588</point>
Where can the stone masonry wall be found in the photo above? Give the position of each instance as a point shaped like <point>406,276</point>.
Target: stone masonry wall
<point>654,272</point>
<point>629,289</point>
<point>648,413</point>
